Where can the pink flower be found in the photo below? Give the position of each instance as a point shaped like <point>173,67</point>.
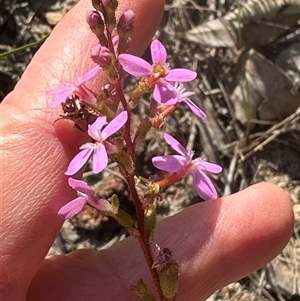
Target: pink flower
<point>158,74</point>
<point>183,96</point>
<point>99,147</point>
<point>183,165</point>
<point>78,89</point>
<point>87,196</point>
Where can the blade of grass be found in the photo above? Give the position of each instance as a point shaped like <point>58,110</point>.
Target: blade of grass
<point>22,48</point>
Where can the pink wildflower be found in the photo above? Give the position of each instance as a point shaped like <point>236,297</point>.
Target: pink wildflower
<point>78,89</point>
<point>159,74</point>
<point>183,165</point>
<point>87,196</point>
<point>99,147</point>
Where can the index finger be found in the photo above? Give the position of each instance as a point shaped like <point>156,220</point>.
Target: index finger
<point>34,153</point>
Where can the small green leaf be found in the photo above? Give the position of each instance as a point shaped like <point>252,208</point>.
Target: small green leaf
<point>150,220</point>
<point>169,280</point>
<point>114,200</point>
<point>141,290</point>
<point>124,219</point>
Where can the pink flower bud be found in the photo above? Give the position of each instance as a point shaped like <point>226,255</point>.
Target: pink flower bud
<point>95,21</point>
<point>101,55</point>
<point>93,18</point>
<point>127,20</point>
<point>124,29</point>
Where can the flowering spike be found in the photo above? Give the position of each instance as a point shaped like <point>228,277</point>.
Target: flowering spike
<point>95,114</point>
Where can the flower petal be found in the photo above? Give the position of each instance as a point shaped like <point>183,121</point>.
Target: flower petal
<point>175,145</point>
<point>65,89</point>
<point>79,160</point>
<point>187,94</point>
<point>170,163</point>
<point>207,166</point>
<point>204,186</point>
<point>86,95</point>
<point>61,97</point>
<point>72,208</point>
<point>81,186</point>
<point>164,93</point>
<point>91,73</point>
<point>94,130</point>
<point>115,125</point>
<point>158,52</point>
<point>135,65</point>
<point>181,75</point>
<point>100,159</point>
<point>195,109</point>
<point>102,204</point>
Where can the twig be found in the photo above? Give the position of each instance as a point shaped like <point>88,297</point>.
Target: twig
<point>192,136</point>
<point>285,125</point>
<point>231,172</point>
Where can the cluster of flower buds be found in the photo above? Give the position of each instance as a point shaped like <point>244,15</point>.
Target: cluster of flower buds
<point>112,135</point>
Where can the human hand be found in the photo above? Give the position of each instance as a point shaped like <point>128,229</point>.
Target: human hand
<point>214,242</point>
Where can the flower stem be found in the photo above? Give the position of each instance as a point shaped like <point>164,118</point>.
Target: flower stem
<point>143,240</point>
<point>144,243</point>
<point>171,179</point>
<point>129,143</point>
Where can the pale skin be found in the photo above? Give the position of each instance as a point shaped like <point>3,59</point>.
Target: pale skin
<point>215,242</point>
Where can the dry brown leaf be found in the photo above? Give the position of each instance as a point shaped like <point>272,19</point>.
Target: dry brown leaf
<point>265,89</point>
<point>246,17</point>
